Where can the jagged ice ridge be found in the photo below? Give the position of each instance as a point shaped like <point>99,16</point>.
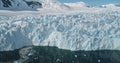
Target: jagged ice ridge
<point>74,31</point>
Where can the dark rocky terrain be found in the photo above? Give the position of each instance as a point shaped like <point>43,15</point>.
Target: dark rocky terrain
<point>46,54</point>
<point>19,4</point>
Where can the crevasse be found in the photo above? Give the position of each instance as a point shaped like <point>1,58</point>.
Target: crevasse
<point>74,31</point>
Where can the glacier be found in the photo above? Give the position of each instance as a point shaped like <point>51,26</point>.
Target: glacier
<point>82,30</point>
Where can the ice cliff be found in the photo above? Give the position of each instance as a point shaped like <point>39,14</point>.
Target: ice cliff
<point>85,30</point>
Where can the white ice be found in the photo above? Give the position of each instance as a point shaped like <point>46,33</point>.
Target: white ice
<point>74,30</point>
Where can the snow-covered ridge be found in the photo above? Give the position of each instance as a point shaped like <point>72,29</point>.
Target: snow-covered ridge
<point>20,4</point>
<point>77,5</point>
<point>110,6</point>
<point>47,5</point>
<point>31,5</point>
<point>53,4</point>
<point>74,31</point>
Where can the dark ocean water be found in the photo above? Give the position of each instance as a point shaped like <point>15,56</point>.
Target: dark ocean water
<point>46,54</point>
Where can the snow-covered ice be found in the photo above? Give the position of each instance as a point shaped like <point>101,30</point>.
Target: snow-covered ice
<point>74,30</point>
<point>66,26</point>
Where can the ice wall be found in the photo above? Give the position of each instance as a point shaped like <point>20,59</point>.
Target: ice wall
<point>75,31</point>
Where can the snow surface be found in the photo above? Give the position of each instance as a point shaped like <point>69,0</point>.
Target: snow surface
<point>77,5</point>
<point>110,6</point>
<point>53,4</point>
<point>85,29</point>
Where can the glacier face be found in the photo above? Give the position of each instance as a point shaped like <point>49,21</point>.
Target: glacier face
<point>74,31</point>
